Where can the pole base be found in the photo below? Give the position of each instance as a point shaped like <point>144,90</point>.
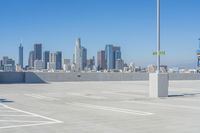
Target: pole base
<point>158,85</point>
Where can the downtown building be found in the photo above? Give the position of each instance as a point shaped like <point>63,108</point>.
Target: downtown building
<point>46,55</point>
<point>80,56</point>
<point>21,56</point>
<point>35,55</point>
<point>101,61</point>
<point>77,55</point>
<point>58,60</point>
<point>83,58</point>
<point>38,63</point>
<point>112,55</point>
<point>7,64</point>
<point>55,61</point>
<point>31,60</point>
<point>66,65</point>
<point>51,65</point>
<point>37,51</point>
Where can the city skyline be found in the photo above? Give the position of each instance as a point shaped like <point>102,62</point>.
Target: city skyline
<point>97,24</point>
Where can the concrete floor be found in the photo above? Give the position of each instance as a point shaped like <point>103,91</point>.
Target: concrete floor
<point>98,107</point>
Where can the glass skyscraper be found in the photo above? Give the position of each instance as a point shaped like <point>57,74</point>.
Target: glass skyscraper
<point>21,56</point>
<point>101,63</point>
<point>46,58</point>
<point>38,51</point>
<point>109,56</point>
<point>58,60</point>
<point>112,53</point>
<point>83,57</point>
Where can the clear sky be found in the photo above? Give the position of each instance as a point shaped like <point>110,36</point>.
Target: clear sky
<point>130,24</point>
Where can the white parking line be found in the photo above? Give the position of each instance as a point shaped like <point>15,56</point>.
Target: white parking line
<point>26,114</point>
<point>123,94</point>
<point>165,105</point>
<point>19,115</point>
<point>42,97</point>
<point>19,121</point>
<point>118,110</point>
<point>86,96</point>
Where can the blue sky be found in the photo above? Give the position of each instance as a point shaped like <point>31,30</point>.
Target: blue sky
<point>130,24</point>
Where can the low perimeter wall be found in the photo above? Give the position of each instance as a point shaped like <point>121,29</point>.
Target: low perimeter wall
<point>42,77</point>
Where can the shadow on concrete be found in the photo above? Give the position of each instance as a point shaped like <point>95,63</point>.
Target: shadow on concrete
<point>184,95</point>
<point>20,78</point>
<point>176,95</point>
<point>5,101</point>
<point>31,77</point>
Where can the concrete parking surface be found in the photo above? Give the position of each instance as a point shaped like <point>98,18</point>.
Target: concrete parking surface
<point>99,107</point>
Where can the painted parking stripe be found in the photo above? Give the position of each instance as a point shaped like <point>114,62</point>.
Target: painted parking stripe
<point>113,109</point>
<point>165,105</point>
<point>25,123</point>
<point>42,97</point>
<point>86,96</point>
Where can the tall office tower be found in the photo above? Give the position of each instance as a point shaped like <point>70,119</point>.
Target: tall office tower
<point>1,64</point>
<point>109,56</point>
<point>38,51</point>
<point>46,58</point>
<point>78,55</point>
<point>52,57</point>
<point>198,57</point>
<point>31,59</point>
<point>83,58</point>
<point>58,60</point>
<point>117,55</point>
<point>51,65</point>
<point>101,63</point>
<point>21,56</point>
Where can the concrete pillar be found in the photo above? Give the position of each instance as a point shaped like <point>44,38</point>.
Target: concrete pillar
<point>158,85</point>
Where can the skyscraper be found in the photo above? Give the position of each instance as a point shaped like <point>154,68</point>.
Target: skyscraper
<point>117,55</point>
<point>78,55</point>
<point>109,56</point>
<point>37,51</point>
<point>58,60</point>
<point>51,65</point>
<point>112,53</point>
<point>31,59</point>
<point>101,63</point>
<point>52,57</point>
<point>46,58</point>
<point>21,56</point>
<point>83,58</point>
<point>1,64</point>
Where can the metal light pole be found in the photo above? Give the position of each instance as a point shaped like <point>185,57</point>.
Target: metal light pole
<point>158,82</point>
<point>158,36</point>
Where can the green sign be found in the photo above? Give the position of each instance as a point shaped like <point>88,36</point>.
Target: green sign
<point>160,53</point>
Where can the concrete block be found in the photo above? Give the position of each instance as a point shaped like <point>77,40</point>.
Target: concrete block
<point>158,85</point>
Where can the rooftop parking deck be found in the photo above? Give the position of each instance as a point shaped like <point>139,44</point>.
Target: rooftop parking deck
<point>99,107</point>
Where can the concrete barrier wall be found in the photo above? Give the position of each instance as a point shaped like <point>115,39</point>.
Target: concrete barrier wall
<point>184,76</point>
<point>64,77</point>
<point>38,77</point>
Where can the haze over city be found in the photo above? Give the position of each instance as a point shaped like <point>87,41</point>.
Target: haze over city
<point>129,24</point>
